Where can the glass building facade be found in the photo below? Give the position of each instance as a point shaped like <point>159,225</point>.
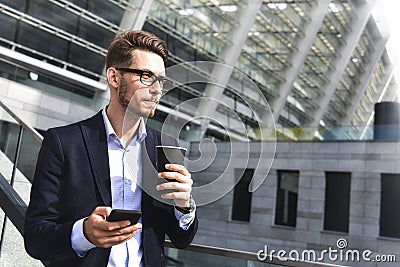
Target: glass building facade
<point>316,64</point>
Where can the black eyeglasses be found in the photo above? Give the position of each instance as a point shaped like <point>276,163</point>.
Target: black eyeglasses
<point>148,78</point>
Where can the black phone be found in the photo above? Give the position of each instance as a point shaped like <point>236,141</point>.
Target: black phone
<point>120,215</point>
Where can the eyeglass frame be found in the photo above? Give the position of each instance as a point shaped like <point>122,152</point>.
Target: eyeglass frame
<point>140,72</point>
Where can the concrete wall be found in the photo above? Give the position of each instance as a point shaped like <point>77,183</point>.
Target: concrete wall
<point>365,160</point>
<point>49,107</point>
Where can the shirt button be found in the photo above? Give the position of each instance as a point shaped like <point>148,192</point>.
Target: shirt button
<point>126,181</point>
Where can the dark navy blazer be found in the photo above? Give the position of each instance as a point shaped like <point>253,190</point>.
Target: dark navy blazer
<point>72,178</point>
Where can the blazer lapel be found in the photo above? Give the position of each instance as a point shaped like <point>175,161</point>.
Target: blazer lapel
<point>95,138</point>
<point>150,176</point>
<point>149,173</point>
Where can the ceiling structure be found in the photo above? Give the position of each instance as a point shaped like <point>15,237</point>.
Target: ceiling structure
<point>299,67</point>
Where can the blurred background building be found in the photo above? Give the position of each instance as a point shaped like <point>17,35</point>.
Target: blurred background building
<point>291,70</point>
<point>319,64</point>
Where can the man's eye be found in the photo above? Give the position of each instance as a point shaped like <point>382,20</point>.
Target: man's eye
<point>147,76</point>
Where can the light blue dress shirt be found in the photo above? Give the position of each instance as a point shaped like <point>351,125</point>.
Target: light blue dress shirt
<point>126,194</point>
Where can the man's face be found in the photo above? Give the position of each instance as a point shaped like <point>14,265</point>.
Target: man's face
<point>133,95</point>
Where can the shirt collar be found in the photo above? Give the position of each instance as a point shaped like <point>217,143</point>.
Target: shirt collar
<point>110,130</point>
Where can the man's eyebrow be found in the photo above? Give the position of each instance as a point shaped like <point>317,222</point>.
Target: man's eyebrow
<point>149,71</point>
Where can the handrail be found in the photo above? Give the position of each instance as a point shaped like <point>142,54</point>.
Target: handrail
<point>26,126</point>
<point>239,254</point>
<point>12,204</point>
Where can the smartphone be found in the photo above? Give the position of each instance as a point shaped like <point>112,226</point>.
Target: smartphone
<point>120,215</point>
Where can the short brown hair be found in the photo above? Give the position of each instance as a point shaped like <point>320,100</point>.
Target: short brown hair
<point>121,48</point>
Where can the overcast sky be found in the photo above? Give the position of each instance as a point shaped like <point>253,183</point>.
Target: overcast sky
<point>391,10</point>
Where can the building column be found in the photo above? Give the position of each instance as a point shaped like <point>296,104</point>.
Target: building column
<point>388,84</point>
<point>317,16</point>
<point>363,13</point>
<point>220,73</point>
<point>366,77</point>
<point>134,19</point>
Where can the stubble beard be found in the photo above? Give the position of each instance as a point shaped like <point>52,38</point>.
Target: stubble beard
<point>124,101</point>
<point>122,92</point>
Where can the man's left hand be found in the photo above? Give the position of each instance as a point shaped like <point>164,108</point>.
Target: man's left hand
<point>180,181</point>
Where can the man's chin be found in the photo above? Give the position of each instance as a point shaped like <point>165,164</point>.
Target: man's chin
<point>152,111</point>
<point>145,114</point>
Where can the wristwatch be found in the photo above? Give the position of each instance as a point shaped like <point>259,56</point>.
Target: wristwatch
<point>189,209</point>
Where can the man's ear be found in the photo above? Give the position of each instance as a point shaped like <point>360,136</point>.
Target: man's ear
<point>112,77</point>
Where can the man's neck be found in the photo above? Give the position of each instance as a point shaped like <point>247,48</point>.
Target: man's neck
<point>126,127</point>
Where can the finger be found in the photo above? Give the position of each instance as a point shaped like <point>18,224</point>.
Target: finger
<point>111,238</point>
<point>176,176</point>
<point>102,211</point>
<point>171,176</point>
<point>178,168</point>
<point>111,226</point>
<point>96,220</point>
<point>125,230</point>
<point>175,186</point>
<point>182,196</point>
<point>110,241</point>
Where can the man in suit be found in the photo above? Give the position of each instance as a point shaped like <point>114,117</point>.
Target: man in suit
<point>107,161</point>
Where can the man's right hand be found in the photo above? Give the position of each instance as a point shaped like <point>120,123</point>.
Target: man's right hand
<point>106,234</point>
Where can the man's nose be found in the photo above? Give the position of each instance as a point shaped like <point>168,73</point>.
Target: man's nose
<point>156,88</point>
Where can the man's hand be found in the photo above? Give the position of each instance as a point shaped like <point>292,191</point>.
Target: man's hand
<point>107,234</point>
<point>182,184</point>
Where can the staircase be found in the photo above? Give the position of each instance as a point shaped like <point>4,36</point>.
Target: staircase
<point>19,146</point>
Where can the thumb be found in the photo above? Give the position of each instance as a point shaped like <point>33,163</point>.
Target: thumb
<point>102,211</point>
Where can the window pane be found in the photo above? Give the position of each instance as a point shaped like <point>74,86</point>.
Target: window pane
<point>107,10</point>
<point>54,15</point>
<point>390,198</point>
<point>8,27</point>
<point>95,34</point>
<point>241,207</point>
<point>55,46</point>
<point>86,59</point>
<point>286,202</point>
<point>337,201</point>
<point>19,5</point>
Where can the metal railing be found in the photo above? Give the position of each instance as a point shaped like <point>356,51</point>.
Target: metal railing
<point>22,123</point>
<point>15,207</point>
<point>19,145</point>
